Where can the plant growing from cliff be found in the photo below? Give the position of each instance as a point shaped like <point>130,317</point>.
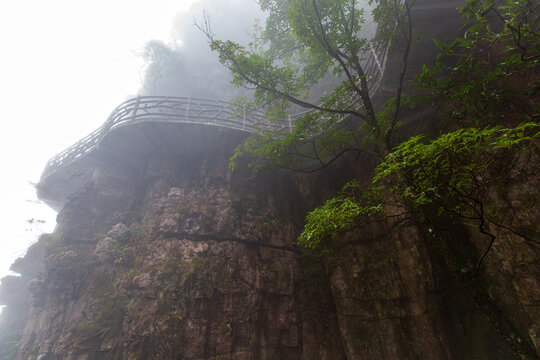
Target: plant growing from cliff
<point>68,264</point>
<point>111,309</point>
<point>455,176</point>
<point>492,77</point>
<point>455,173</point>
<point>306,44</point>
<point>305,41</point>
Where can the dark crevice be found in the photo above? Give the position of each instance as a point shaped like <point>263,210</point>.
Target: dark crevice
<point>219,239</point>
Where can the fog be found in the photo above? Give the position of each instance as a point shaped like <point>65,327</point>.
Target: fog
<point>187,66</point>
<point>66,65</point>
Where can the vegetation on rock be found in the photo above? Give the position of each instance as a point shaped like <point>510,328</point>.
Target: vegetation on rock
<point>486,77</point>
<point>305,45</point>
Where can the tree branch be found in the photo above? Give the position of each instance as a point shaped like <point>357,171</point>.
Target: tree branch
<point>399,91</point>
<point>238,69</point>
<point>363,91</point>
<point>323,165</point>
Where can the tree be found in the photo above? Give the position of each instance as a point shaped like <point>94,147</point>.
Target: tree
<point>492,77</point>
<point>304,44</point>
<point>160,62</point>
<point>450,177</point>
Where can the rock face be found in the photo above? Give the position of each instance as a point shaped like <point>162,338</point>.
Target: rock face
<point>15,293</point>
<point>179,260</point>
<point>182,259</point>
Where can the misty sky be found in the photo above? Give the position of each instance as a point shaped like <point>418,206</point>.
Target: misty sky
<point>64,66</point>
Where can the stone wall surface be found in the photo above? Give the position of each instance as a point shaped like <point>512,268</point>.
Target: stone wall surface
<point>183,259</point>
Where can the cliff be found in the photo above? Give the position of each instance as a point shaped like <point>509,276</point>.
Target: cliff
<point>173,256</point>
<point>179,259</point>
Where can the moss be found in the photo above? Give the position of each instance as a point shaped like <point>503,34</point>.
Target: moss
<point>268,224</point>
<point>54,242</point>
<point>69,265</point>
<point>110,315</point>
<point>122,253</point>
<point>204,275</point>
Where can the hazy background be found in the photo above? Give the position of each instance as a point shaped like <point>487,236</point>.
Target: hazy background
<point>66,64</point>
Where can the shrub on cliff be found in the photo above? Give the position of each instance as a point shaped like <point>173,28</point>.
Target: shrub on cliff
<point>305,42</point>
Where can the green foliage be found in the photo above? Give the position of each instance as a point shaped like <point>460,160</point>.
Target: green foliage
<point>304,44</point>
<point>111,310</point>
<point>458,164</point>
<point>287,55</point>
<point>487,77</point>
<point>455,173</point>
<point>121,253</point>
<point>335,216</point>
<point>292,151</point>
<point>477,74</point>
<point>127,244</point>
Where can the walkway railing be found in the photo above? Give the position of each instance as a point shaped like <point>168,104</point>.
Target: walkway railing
<point>187,110</point>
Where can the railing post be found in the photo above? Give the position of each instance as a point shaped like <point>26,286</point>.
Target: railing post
<point>244,111</point>
<point>290,124</point>
<point>187,108</point>
<point>135,108</point>
<point>376,58</point>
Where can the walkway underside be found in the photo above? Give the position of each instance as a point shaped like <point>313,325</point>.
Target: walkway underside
<point>124,152</point>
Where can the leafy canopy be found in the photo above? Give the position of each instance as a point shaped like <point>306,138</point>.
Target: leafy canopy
<point>312,54</point>
<point>452,174</point>
<point>490,74</point>
<point>455,175</point>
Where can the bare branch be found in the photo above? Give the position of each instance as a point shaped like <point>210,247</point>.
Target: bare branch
<point>399,91</point>
<point>237,68</point>
<point>323,164</point>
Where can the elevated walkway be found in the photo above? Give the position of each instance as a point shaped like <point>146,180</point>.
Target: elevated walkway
<point>180,124</point>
